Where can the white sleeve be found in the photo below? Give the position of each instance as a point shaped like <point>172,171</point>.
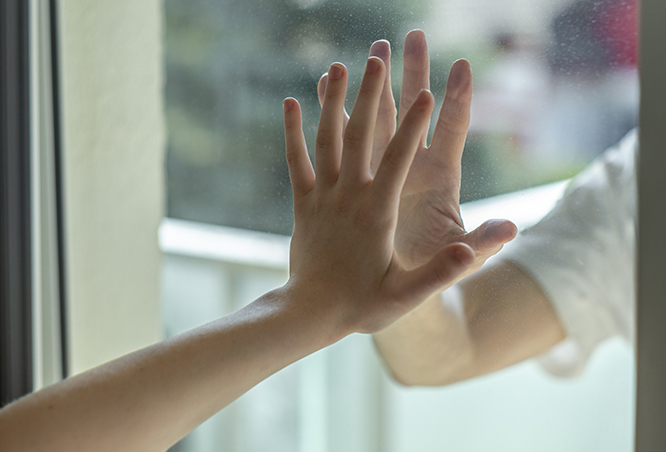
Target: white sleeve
<point>582,256</point>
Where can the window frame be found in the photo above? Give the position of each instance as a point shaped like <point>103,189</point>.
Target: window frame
<point>54,50</point>
<point>651,246</point>
<point>15,208</point>
<point>15,215</point>
<point>33,348</point>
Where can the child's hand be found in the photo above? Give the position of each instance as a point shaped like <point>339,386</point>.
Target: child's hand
<point>429,217</point>
<point>343,264</point>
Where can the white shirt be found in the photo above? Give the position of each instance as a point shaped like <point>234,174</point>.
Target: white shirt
<point>582,255</point>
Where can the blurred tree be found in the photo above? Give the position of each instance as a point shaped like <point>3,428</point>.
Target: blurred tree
<point>229,64</point>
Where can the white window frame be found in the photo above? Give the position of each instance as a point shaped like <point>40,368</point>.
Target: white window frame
<point>651,311</point>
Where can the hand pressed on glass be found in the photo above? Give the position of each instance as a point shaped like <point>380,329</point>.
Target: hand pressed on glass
<point>345,276</point>
<point>343,255</point>
<point>453,337</point>
<point>429,217</point>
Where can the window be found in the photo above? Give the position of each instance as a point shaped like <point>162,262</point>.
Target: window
<point>228,198</point>
<point>563,76</point>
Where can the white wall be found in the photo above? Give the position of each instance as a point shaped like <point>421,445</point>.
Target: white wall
<point>114,139</point>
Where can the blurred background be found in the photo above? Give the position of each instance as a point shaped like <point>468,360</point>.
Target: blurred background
<point>555,85</point>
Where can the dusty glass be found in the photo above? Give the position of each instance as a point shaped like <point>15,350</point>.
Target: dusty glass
<point>555,84</point>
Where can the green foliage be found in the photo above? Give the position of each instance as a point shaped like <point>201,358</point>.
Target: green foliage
<point>230,63</point>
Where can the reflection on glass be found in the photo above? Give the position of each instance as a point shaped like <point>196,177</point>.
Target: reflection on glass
<point>229,65</point>
<point>555,85</point>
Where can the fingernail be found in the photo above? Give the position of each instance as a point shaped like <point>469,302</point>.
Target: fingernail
<point>372,66</point>
<point>380,49</point>
<point>335,71</point>
<point>424,97</point>
<point>413,41</point>
<point>457,77</point>
<point>287,105</point>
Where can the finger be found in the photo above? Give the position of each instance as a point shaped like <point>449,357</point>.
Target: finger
<point>328,150</point>
<point>415,73</point>
<point>321,88</point>
<point>300,169</point>
<point>448,140</point>
<point>386,117</point>
<point>321,91</point>
<point>442,271</point>
<point>394,167</point>
<point>489,238</point>
<point>360,130</point>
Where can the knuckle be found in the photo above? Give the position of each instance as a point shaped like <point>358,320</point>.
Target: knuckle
<point>388,110</point>
<point>392,158</point>
<point>371,85</point>
<point>354,136</point>
<point>325,140</point>
<point>293,157</point>
<point>454,117</point>
<point>332,93</point>
<point>290,125</point>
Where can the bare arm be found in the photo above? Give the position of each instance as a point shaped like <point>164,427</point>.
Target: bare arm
<point>148,400</point>
<point>496,317</point>
<point>345,277</point>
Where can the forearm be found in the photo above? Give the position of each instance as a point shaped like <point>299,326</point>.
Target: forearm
<point>150,399</point>
<point>344,277</point>
<point>503,318</point>
<point>430,345</point>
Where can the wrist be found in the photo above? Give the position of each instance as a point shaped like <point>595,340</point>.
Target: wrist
<point>314,311</point>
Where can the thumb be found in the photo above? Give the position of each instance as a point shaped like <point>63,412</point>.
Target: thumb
<point>443,270</point>
<point>489,238</point>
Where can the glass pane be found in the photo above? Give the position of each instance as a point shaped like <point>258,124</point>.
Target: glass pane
<point>555,85</point>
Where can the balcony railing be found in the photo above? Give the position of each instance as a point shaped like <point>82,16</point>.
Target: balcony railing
<point>340,399</point>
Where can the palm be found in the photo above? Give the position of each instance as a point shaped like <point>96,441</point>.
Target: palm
<point>429,217</point>
<point>428,220</point>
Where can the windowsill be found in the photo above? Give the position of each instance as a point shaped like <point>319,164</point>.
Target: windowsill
<point>264,250</point>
